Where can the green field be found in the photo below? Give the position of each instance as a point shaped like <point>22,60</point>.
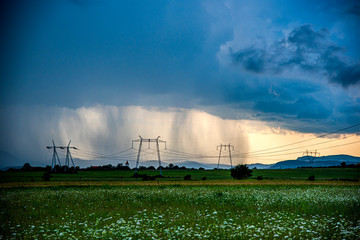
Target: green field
<point>175,175</point>
<point>181,212</point>
<point>113,205</point>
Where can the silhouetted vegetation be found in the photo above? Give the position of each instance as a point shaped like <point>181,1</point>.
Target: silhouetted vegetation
<point>65,169</point>
<point>241,171</point>
<point>107,167</point>
<point>342,165</point>
<point>26,167</point>
<point>47,174</point>
<point>187,177</point>
<point>146,177</point>
<point>57,169</point>
<point>311,178</point>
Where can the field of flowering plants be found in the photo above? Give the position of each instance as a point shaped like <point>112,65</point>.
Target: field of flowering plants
<point>181,212</point>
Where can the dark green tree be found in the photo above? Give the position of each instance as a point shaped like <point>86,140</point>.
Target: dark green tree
<point>187,177</point>
<point>311,178</point>
<point>241,171</point>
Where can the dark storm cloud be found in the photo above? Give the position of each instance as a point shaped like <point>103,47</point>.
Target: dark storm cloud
<point>306,49</point>
<point>340,72</point>
<point>252,59</point>
<point>79,53</point>
<point>289,102</point>
<point>286,98</point>
<point>75,53</point>
<point>303,108</point>
<point>354,8</point>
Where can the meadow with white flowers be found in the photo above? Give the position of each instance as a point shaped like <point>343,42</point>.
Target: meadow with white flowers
<point>181,212</point>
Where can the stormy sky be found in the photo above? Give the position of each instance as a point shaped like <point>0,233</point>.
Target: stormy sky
<point>139,67</point>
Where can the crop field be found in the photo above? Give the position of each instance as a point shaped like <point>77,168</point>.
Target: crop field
<point>181,212</point>
<point>114,205</point>
<point>176,175</point>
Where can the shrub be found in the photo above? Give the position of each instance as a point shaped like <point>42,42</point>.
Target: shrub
<point>148,178</point>
<point>187,177</point>
<point>260,178</point>
<point>241,171</point>
<point>311,178</point>
<point>204,178</point>
<point>144,177</point>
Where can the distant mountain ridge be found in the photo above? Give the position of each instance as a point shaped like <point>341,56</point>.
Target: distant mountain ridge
<point>324,161</point>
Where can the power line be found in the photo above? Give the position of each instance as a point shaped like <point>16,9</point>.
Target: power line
<point>339,145</point>
<point>129,153</point>
<point>290,144</point>
<point>311,145</point>
<point>116,158</point>
<point>334,146</point>
<point>281,154</point>
<point>104,154</point>
<point>184,155</point>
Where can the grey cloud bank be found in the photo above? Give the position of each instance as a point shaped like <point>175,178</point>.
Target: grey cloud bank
<point>306,49</point>
<point>275,61</point>
<point>106,129</point>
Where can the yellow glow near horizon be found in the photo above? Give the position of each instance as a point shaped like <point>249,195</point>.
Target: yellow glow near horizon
<point>265,137</point>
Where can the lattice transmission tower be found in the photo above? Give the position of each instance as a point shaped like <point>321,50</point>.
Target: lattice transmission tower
<point>55,155</point>
<point>311,155</point>
<point>229,147</point>
<point>68,156</point>
<point>148,140</point>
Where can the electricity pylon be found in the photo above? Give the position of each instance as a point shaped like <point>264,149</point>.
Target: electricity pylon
<point>55,155</point>
<point>221,146</point>
<point>148,140</point>
<point>311,155</point>
<point>68,156</point>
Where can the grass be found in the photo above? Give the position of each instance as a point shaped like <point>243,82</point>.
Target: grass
<point>181,212</point>
<point>227,182</point>
<point>176,175</point>
<point>112,205</point>
<point>304,173</point>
